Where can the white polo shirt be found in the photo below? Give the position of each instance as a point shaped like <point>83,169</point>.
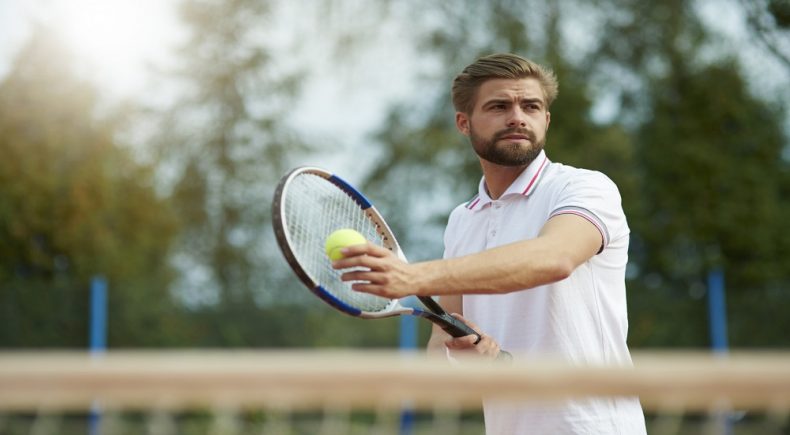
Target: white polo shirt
<point>582,319</point>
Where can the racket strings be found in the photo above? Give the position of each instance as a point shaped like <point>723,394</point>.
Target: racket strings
<point>314,208</point>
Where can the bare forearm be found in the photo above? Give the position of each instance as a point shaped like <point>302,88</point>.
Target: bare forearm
<point>565,242</point>
<point>504,269</point>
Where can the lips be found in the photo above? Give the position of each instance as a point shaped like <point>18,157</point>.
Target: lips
<point>515,134</point>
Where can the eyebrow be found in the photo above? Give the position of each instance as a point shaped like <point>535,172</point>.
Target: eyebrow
<point>533,100</point>
<point>510,101</point>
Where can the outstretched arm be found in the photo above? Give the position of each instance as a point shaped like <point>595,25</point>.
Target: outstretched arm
<point>565,242</point>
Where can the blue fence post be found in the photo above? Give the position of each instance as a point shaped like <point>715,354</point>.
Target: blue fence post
<point>98,319</point>
<point>717,316</point>
<point>407,343</point>
<point>408,333</point>
<point>97,339</point>
<point>717,312</point>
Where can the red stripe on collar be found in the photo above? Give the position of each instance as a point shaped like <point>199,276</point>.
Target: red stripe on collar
<point>473,204</point>
<point>535,177</point>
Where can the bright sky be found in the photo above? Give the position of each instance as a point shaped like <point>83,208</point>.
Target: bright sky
<point>117,42</point>
<point>114,40</point>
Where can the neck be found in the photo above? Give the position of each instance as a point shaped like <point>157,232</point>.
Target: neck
<point>498,178</point>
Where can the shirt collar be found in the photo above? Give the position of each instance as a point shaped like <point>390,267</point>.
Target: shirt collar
<point>524,185</point>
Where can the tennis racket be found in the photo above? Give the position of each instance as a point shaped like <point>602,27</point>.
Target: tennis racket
<point>309,204</point>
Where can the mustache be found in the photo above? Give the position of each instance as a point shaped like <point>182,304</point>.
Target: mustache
<point>521,131</point>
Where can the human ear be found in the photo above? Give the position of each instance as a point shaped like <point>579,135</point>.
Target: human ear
<point>462,123</point>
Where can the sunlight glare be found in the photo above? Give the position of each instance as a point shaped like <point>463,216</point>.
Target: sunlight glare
<point>118,39</point>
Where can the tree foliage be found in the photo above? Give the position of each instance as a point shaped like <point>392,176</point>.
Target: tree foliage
<point>712,167</point>
<point>700,160</point>
<point>712,182</point>
<point>226,142</point>
<point>73,204</point>
<point>769,24</point>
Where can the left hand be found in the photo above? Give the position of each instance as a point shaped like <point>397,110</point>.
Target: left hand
<point>386,274</point>
<point>465,346</point>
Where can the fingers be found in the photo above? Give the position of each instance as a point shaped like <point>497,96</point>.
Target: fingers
<point>487,346</point>
<point>367,272</point>
<point>374,269</point>
<point>367,256</point>
<point>468,322</point>
<point>355,253</point>
<point>469,340</point>
<point>466,342</point>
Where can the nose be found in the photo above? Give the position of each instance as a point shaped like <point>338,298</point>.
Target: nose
<point>517,117</point>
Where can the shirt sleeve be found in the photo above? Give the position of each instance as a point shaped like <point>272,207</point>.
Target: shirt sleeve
<point>450,234</point>
<point>593,196</point>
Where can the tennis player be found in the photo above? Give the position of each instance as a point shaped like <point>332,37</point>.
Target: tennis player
<point>535,261</point>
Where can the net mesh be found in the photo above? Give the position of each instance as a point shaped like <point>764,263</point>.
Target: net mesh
<point>369,393</point>
<point>313,209</point>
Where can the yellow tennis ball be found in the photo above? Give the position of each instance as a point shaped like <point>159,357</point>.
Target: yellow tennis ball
<point>340,239</point>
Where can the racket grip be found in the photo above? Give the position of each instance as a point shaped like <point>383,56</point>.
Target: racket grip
<point>457,328</point>
<point>449,324</point>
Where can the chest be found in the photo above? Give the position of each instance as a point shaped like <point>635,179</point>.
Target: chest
<point>501,222</point>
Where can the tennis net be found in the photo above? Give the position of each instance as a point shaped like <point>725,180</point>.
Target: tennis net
<point>332,392</point>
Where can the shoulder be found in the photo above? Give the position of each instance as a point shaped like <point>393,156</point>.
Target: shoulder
<point>569,178</point>
<point>592,195</point>
<point>462,209</point>
<point>562,172</point>
<point>458,222</point>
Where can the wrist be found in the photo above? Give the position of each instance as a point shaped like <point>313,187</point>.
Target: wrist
<point>427,278</point>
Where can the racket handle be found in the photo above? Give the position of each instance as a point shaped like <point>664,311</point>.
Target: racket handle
<point>431,304</point>
<point>449,324</point>
<point>457,328</point>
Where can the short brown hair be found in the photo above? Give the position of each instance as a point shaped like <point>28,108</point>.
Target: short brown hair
<point>500,66</point>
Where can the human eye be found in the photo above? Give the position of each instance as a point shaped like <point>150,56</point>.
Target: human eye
<point>532,106</point>
<point>496,106</point>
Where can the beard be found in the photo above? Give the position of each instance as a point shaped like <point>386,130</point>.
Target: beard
<point>507,154</point>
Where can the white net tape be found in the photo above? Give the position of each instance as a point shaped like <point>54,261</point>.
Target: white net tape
<point>238,393</point>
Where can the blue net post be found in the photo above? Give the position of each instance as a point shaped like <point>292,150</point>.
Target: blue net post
<point>97,339</point>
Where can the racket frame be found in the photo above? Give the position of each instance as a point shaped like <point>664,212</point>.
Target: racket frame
<point>435,313</point>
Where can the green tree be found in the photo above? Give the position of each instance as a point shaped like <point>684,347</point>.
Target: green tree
<point>73,204</point>
<point>225,144</point>
<point>712,180</point>
<point>711,157</point>
<point>769,23</point>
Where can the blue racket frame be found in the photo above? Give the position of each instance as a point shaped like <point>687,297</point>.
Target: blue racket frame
<point>434,313</point>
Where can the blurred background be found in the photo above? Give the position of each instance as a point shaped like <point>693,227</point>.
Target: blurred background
<point>141,141</point>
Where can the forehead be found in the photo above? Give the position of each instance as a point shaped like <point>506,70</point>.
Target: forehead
<point>510,89</point>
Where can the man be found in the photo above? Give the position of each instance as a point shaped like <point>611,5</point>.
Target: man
<point>535,262</point>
